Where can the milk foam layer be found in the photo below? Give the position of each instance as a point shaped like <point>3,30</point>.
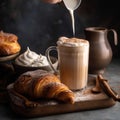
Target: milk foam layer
<point>31,59</point>
<point>72,42</point>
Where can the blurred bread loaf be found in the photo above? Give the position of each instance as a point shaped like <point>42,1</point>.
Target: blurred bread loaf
<point>8,44</point>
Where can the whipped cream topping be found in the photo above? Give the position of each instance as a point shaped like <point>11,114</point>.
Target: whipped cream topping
<point>71,42</point>
<point>31,59</point>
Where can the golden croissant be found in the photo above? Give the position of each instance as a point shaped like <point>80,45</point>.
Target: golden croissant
<point>41,84</point>
<point>8,44</point>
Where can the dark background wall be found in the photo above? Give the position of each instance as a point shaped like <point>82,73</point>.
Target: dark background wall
<point>38,24</point>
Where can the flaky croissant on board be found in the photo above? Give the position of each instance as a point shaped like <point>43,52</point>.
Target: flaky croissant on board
<point>41,84</point>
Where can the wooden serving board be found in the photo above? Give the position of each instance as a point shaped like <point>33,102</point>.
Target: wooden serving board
<point>84,100</point>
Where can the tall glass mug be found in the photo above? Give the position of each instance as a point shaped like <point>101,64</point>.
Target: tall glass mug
<point>73,55</point>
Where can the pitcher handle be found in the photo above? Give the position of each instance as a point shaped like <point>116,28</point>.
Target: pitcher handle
<point>115,36</point>
<point>47,54</point>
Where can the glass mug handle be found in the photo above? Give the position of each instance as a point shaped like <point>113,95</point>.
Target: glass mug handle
<point>47,54</point>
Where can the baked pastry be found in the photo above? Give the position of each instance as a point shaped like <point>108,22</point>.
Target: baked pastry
<point>42,84</point>
<point>8,44</point>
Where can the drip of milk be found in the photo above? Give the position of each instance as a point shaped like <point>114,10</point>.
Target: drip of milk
<point>72,5</point>
<point>73,21</point>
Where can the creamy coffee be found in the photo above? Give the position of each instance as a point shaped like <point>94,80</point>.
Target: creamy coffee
<point>73,56</point>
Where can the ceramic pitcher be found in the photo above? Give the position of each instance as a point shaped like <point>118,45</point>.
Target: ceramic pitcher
<point>100,54</point>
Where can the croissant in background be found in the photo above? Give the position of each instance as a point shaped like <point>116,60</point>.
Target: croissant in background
<point>41,84</point>
<point>8,44</point>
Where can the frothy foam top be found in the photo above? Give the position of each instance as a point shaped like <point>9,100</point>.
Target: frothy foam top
<point>72,42</point>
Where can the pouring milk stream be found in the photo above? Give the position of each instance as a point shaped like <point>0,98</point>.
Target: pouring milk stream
<point>72,5</point>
